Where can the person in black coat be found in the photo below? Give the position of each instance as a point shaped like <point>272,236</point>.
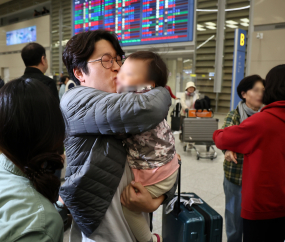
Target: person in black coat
<point>34,57</point>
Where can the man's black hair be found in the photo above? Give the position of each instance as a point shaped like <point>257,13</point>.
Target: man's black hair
<point>32,54</point>
<point>81,46</point>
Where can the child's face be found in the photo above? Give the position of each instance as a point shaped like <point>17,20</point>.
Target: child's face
<point>133,73</point>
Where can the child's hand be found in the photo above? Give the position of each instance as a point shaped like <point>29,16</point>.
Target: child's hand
<point>179,157</point>
<point>136,198</point>
<point>60,200</point>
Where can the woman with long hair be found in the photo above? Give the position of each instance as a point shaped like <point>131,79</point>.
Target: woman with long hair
<point>32,131</point>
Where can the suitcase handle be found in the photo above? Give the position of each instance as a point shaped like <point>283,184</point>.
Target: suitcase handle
<point>177,209</point>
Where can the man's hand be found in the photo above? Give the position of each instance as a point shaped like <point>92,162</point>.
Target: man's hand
<point>136,198</point>
<point>231,156</point>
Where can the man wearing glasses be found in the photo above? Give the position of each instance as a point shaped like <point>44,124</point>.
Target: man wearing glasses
<point>97,172</point>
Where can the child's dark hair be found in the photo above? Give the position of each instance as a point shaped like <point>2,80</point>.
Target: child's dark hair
<point>157,70</point>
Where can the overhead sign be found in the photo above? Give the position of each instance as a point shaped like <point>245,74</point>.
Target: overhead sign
<point>238,65</point>
<point>137,22</point>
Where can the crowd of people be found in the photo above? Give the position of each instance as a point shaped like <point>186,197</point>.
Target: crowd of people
<point>109,116</point>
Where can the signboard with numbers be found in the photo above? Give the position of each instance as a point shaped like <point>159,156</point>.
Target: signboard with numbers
<point>238,65</point>
<point>137,22</point>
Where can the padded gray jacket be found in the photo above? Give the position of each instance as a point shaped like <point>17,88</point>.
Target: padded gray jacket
<point>96,162</point>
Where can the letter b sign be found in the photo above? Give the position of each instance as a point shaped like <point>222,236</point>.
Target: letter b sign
<point>241,39</point>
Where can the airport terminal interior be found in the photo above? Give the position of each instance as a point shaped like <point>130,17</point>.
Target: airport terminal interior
<point>220,55</point>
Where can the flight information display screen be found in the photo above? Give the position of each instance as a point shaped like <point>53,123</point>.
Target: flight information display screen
<point>137,22</point>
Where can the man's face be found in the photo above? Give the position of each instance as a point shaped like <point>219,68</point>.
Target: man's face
<point>99,77</point>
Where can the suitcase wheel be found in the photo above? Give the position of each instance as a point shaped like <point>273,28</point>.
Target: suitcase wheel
<point>185,147</point>
<point>198,157</point>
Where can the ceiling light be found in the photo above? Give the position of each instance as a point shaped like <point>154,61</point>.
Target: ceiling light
<point>201,29</point>
<point>227,10</point>
<point>231,22</point>
<point>211,27</point>
<point>244,24</point>
<point>231,26</point>
<point>245,20</point>
<point>200,26</point>
<point>210,23</point>
<point>186,61</point>
<point>205,42</point>
<point>235,9</point>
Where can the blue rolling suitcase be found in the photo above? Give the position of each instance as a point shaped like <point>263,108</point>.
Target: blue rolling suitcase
<point>196,223</point>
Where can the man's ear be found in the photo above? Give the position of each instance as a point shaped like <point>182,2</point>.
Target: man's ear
<point>43,60</point>
<point>78,74</point>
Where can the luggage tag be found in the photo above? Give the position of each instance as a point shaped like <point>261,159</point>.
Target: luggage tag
<point>170,206</point>
<point>195,201</point>
<point>192,201</point>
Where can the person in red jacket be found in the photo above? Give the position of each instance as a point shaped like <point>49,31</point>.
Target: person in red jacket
<point>261,139</point>
<point>170,92</point>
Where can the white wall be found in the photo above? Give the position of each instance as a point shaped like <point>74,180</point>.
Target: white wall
<point>270,51</point>
<point>268,12</point>
<point>267,52</point>
<point>13,61</point>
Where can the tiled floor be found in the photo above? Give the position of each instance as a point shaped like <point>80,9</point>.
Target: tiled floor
<point>203,177</point>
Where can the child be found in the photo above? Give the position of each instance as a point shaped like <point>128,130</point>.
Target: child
<point>151,154</point>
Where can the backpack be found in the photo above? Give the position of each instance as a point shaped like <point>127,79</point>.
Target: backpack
<point>175,117</point>
<point>176,111</point>
<point>203,103</point>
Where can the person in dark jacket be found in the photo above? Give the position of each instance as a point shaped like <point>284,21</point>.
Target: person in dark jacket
<point>97,171</point>
<point>34,57</point>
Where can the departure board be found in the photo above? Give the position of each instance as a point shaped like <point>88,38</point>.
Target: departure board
<point>137,22</point>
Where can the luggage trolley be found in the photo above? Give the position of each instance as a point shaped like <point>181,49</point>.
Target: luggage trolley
<point>200,131</point>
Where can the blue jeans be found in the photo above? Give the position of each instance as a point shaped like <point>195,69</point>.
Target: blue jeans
<point>234,222</point>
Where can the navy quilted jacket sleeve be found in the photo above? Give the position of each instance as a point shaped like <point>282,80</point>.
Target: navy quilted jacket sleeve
<point>90,111</point>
